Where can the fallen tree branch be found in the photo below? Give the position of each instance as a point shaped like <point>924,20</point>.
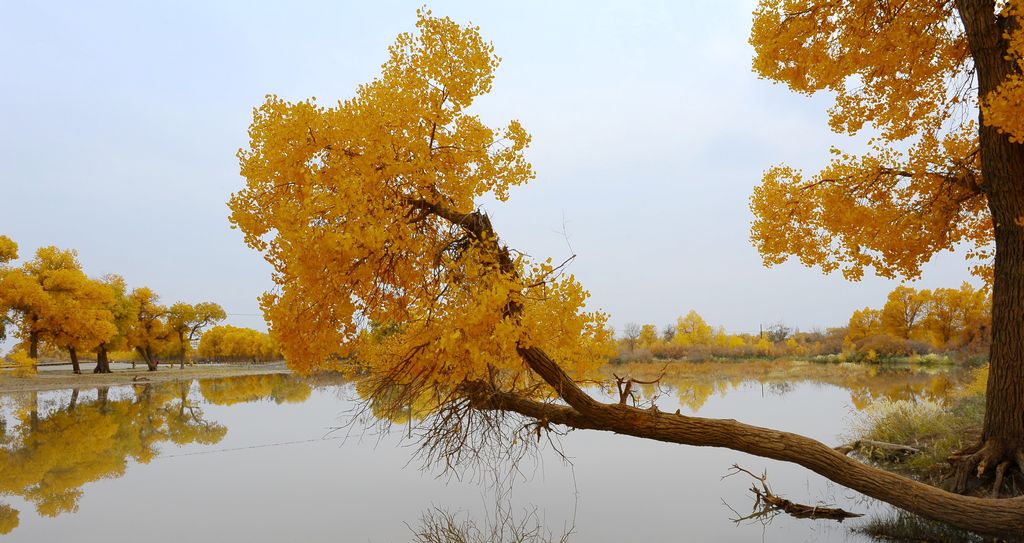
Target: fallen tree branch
<point>895,448</point>
<point>767,504</point>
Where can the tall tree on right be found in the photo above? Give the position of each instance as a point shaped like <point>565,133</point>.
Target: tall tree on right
<point>941,86</point>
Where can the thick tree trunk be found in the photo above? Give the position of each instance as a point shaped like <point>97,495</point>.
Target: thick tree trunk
<point>74,360</point>
<point>148,357</point>
<point>102,360</point>
<point>1002,167</point>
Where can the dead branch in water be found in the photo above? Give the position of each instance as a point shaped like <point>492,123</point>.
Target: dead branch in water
<point>892,448</point>
<point>767,504</point>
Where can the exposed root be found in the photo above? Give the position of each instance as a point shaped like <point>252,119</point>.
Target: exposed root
<point>767,504</point>
<point>1000,472</point>
<point>987,462</point>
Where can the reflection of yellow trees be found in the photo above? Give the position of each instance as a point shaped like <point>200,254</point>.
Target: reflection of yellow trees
<point>395,402</point>
<point>48,458</point>
<point>695,383</point>
<point>281,388</point>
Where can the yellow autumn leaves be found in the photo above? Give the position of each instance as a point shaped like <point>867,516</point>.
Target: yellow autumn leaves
<point>919,191</point>
<point>358,208</point>
<point>49,302</point>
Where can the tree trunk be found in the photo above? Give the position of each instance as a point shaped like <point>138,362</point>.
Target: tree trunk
<point>33,345</point>
<point>181,354</point>
<point>1002,166</point>
<point>74,399</point>
<point>147,355</point>
<point>102,361</point>
<point>74,361</point>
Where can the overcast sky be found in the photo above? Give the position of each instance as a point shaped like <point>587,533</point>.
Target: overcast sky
<point>119,124</point>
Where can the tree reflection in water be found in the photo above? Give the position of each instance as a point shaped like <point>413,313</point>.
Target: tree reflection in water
<point>50,448</point>
<point>52,444</point>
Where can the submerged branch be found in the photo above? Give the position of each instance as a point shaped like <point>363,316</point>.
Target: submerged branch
<point>892,448</point>
<point>767,504</point>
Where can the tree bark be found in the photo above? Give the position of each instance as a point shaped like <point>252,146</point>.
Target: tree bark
<point>102,360</point>
<point>181,355</point>
<point>74,361</point>
<point>33,345</point>
<point>147,356</point>
<point>1002,167</point>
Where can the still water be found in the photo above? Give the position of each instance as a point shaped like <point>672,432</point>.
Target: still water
<point>255,459</point>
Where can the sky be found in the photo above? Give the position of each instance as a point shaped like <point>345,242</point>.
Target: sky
<point>120,124</point>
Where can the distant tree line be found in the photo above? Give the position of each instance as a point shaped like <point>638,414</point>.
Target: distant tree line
<point>53,308</point>
<point>911,322</point>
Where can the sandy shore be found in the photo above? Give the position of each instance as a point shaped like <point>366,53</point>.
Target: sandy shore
<point>55,379</point>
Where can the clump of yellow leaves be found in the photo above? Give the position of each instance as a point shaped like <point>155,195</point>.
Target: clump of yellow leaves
<point>1003,108</point>
<point>907,72</point>
<point>362,209</point>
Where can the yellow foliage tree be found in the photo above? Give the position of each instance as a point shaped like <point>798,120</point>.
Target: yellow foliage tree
<point>80,319</point>
<point>864,323</point>
<point>23,292</point>
<point>954,314</point>
<point>54,301</point>
<point>648,336</point>
<point>189,320</point>
<point>125,312</point>
<point>940,82</point>
<point>8,252</point>
<point>692,330</point>
<point>228,342</point>
<point>392,176</point>
<point>904,312</point>
<point>148,332</point>
<point>367,212</point>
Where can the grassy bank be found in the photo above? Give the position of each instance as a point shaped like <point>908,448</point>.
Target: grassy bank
<point>937,428</point>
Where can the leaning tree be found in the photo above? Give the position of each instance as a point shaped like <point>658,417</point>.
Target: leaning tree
<point>367,211</point>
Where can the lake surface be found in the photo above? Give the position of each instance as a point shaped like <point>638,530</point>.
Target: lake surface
<point>255,459</point>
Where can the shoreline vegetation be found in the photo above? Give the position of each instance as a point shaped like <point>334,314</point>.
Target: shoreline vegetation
<point>66,379</point>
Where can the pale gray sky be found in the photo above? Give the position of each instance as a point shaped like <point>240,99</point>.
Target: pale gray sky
<point>119,124</point>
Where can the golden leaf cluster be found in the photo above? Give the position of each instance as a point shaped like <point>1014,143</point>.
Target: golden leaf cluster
<point>905,70</point>
<point>367,211</point>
